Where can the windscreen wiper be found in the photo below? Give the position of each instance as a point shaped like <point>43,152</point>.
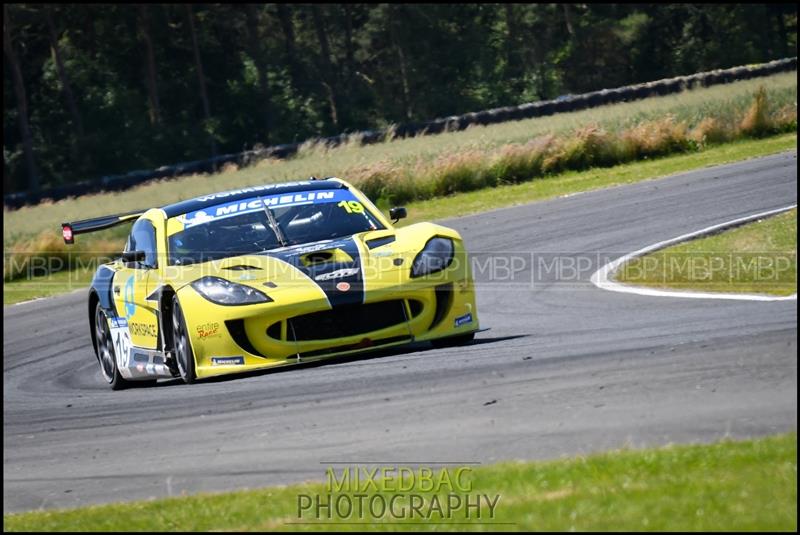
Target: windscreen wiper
<point>274,224</point>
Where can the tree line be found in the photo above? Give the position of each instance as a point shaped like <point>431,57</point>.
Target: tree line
<point>92,90</point>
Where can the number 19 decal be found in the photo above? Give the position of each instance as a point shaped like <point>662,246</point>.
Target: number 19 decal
<point>122,346</point>
<point>352,207</point>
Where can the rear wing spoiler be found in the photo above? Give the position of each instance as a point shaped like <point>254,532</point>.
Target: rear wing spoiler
<point>69,230</point>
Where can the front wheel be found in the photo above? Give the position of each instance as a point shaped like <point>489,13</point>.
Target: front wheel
<point>106,354</point>
<point>184,357</point>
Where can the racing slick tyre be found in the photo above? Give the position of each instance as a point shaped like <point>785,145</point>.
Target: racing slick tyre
<point>451,341</point>
<point>183,349</point>
<point>106,354</point>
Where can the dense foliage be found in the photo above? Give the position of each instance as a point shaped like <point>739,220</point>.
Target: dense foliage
<point>91,90</point>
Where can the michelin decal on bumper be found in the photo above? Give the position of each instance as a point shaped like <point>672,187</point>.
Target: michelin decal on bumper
<point>463,320</point>
<point>227,361</point>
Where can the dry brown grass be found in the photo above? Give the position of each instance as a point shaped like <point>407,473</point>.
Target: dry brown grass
<point>457,172</point>
<point>589,146</point>
<point>786,118</point>
<point>516,163</point>
<point>710,131</point>
<point>655,138</point>
<point>756,122</point>
<point>584,147</point>
<point>229,167</point>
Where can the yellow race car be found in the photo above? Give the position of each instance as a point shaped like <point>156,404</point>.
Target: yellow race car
<point>268,276</point>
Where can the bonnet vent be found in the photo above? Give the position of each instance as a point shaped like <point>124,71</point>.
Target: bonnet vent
<point>241,267</point>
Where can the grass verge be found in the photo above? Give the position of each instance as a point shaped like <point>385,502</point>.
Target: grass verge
<point>452,205</point>
<point>702,116</point>
<point>730,485</point>
<point>402,171</point>
<point>48,285</point>
<point>581,181</point>
<point>760,258</point>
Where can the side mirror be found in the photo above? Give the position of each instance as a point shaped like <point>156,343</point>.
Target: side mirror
<point>133,256</point>
<point>397,213</point>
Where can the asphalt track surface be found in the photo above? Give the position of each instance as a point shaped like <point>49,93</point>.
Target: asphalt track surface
<point>566,368</point>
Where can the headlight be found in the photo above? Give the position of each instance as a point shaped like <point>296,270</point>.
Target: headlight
<point>435,256</point>
<point>223,292</point>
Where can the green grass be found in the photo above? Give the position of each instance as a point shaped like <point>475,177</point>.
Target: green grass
<point>472,202</point>
<point>759,257</point>
<point>727,102</point>
<point>748,485</point>
<point>46,286</point>
<point>580,181</point>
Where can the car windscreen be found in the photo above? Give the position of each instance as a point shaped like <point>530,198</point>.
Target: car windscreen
<point>259,224</point>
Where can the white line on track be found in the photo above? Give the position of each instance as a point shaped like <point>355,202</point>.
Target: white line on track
<point>600,278</point>
<point>44,297</point>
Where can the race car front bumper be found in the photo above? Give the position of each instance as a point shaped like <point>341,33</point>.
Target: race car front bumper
<point>274,334</point>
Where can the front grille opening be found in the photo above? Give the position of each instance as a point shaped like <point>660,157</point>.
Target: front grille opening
<point>416,307</point>
<point>364,344</point>
<point>347,320</point>
<point>444,300</point>
<point>274,330</point>
<point>239,335</point>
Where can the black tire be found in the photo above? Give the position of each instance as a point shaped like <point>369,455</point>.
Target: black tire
<point>450,341</point>
<point>106,355</point>
<point>184,357</point>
